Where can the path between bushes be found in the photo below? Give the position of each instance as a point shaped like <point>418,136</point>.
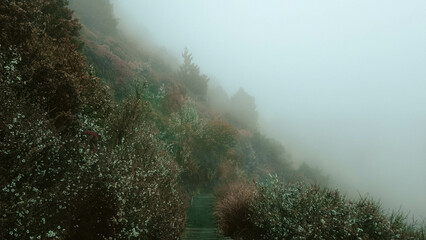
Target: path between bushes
<point>201,224</point>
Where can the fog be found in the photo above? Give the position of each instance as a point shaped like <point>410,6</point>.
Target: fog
<point>340,83</point>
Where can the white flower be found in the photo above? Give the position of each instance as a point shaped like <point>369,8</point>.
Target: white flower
<point>51,233</point>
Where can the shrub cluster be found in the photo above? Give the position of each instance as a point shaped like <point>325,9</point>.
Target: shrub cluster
<point>200,145</point>
<point>58,187</point>
<point>233,209</point>
<point>144,177</point>
<point>300,211</point>
<point>56,181</point>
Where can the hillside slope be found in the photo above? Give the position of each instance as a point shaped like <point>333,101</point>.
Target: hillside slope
<point>101,137</point>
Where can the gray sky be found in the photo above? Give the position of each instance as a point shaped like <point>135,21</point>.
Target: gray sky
<point>341,83</point>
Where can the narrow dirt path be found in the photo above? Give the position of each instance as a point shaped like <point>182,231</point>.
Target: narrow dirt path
<point>201,223</point>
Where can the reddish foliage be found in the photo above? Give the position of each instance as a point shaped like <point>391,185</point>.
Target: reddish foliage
<point>41,59</point>
<point>233,208</point>
<point>174,99</point>
<point>111,65</point>
<point>219,136</point>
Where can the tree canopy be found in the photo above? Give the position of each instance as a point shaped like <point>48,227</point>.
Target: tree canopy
<point>190,74</point>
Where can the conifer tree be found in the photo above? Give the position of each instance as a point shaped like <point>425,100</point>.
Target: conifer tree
<point>190,74</point>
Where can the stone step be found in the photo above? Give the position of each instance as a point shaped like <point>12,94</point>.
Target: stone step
<point>201,224</point>
<point>202,234</point>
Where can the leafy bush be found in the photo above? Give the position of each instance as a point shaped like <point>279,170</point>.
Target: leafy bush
<point>212,146</point>
<point>183,126</point>
<point>300,211</point>
<point>144,177</point>
<point>39,57</point>
<point>233,208</point>
<point>46,177</point>
<point>261,156</point>
<point>218,137</point>
<point>53,184</point>
<point>174,99</point>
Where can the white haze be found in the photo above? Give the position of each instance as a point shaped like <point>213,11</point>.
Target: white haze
<point>341,83</point>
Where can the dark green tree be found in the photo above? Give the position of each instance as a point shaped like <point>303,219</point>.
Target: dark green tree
<point>243,109</point>
<point>190,74</point>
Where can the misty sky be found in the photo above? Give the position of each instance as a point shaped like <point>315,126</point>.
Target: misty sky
<point>341,83</point>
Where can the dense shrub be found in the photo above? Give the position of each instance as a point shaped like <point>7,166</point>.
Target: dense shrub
<point>144,177</point>
<point>46,89</point>
<point>184,126</point>
<point>212,146</point>
<point>300,211</point>
<point>174,99</point>
<point>233,208</point>
<point>111,68</point>
<point>56,186</point>
<point>46,176</point>
<point>55,183</point>
<point>218,137</point>
<point>39,57</point>
<point>312,175</point>
<point>261,156</point>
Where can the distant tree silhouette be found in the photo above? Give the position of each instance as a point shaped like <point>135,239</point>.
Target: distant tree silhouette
<point>96,14</point>
<point>218,99</point>
<point>190,74</point>
<point>243,109</point>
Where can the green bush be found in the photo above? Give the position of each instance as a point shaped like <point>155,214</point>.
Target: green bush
<point>144,177</point>
<point>55,184</point>
<point>301,211</point>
